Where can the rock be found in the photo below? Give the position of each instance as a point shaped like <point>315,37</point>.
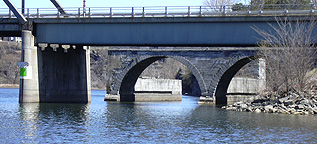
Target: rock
<point>250,109</point>
<point>281,111</point>
<point>315,110</point>
<point>258,101</point>
<point>265,103</point>
<point>288,102</point>
<point>274,110</point>
<point>292,110</point>
<point>257,110</point>
<point>291,103</point>
<point>298,113</point>
<point>311,111</point>
<point>268,109</point>
<point>256,104</point>
<point>283,106</point>
<point>305,101</point>
<point>286,112</point>
<point>293,96</point>
<point>231,108</point>
<point>300,107</point>
<point>238,103</point>
<point>243,106</point>
<point>292,106</point>
<point>282,100</point>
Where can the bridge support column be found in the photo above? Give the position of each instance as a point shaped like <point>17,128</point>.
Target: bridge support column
<point>29,83</point>
<point>64,76</point>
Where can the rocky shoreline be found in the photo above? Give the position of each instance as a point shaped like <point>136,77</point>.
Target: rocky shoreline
<point>290,103</point>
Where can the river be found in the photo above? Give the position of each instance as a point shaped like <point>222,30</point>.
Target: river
<point>145,122</point>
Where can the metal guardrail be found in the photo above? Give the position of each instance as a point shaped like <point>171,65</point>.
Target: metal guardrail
<point>171,11</point>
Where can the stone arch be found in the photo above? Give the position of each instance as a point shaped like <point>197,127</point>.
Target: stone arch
<point>232,68</point>
<point>195,72</point>
<point>125,81</point>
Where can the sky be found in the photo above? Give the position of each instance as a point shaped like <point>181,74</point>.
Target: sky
<point>103,3</point>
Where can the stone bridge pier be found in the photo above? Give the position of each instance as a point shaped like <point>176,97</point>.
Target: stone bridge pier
<point>213,68</point>
<point>54,73</point>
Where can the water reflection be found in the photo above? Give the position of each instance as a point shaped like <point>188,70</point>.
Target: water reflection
<point>156,122</point>
<point>53,121</point>
<point>192,123</point>
<point>29,115</point>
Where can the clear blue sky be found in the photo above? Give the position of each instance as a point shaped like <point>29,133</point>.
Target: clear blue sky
<point>104,3</point>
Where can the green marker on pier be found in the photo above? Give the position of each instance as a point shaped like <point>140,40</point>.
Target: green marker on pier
<point>23,71</point>
<point>23,68</point>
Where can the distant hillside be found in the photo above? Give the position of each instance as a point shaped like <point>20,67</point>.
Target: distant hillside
<point>9,56</point>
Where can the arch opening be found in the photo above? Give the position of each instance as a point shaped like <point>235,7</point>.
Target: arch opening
<point>127,86</point>
<point>223,84</point>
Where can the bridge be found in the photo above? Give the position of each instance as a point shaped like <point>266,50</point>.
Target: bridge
<point>55,44</point>
<point>213,67</point>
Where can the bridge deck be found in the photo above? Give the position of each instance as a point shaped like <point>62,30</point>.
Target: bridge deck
<point>154,26</point>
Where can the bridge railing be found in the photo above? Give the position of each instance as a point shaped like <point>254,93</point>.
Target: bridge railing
<point>171,11</point>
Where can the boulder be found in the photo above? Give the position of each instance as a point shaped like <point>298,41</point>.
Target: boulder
<point>243,106</point>
<point>257,110</point>
<point>231,108</point>
<point>274,110</point>
<point>288,102</point>
<point>293,96</point>
<point>315,110</point>
<point>268,109</point>
<point>292,106</point>
<point>250,109</point>
<point>282,100</point>
<point>239,103</point>
<point>283,106</point>
<point>305,101</point>
<point>300,106</point>
<point>298,113</point>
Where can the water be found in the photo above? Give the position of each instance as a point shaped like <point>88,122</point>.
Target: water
<point>145,122</point>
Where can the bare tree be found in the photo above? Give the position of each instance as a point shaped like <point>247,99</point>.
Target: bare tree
<point>217,5</point>
<point>290,54</point>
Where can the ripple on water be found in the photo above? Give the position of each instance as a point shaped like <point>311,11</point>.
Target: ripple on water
<point>154,122</point>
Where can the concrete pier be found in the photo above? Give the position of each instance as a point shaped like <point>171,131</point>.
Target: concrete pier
<point>147,89</point>
<point>64,75</point>
<point>239,89</point>
<point>57,73</point>
<point>242,89</point>
<point>29,83</point>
